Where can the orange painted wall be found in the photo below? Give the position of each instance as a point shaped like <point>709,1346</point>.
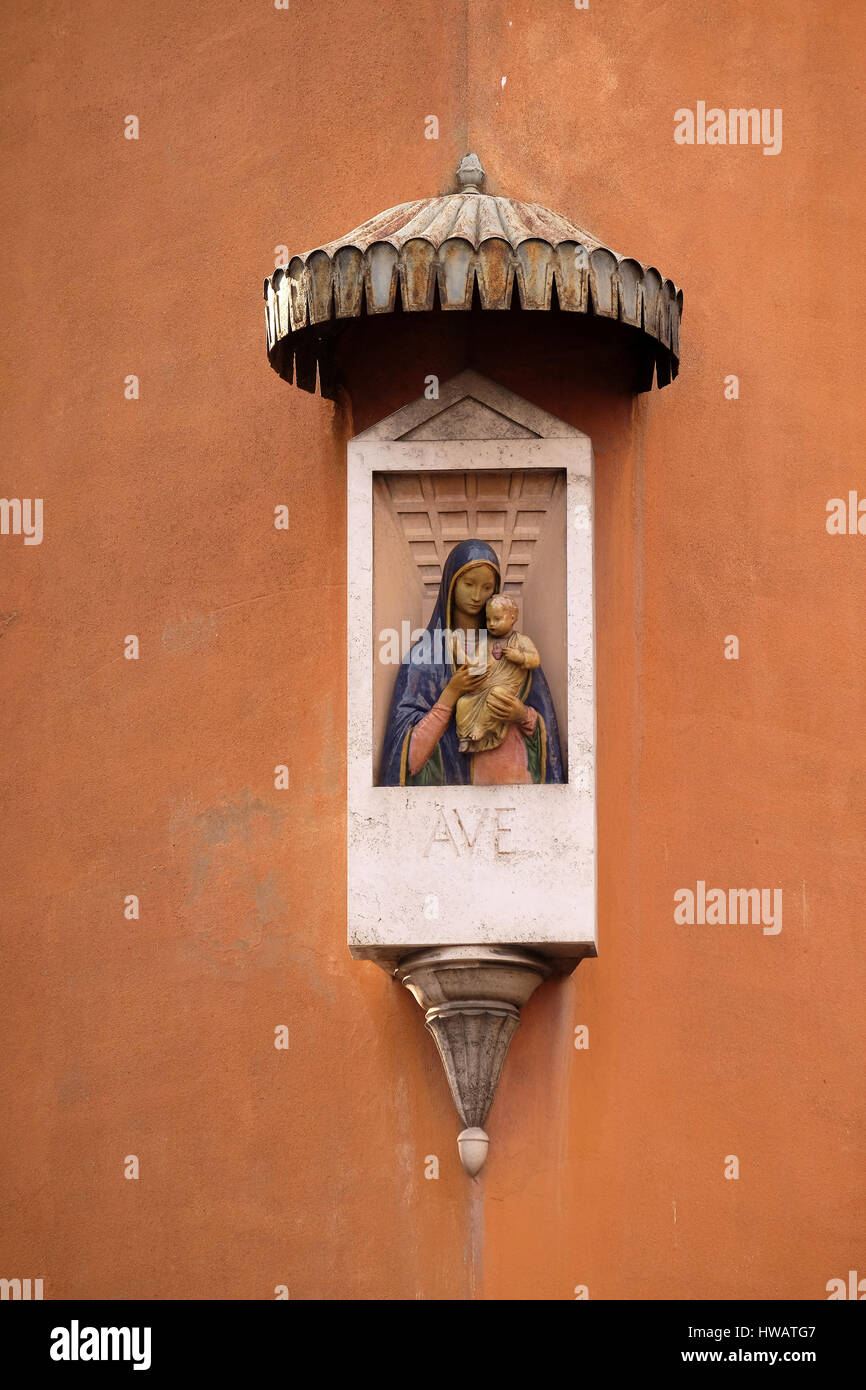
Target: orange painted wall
<point>306,1168</point>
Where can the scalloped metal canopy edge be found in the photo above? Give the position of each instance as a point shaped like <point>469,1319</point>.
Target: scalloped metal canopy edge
<point>434,252</point>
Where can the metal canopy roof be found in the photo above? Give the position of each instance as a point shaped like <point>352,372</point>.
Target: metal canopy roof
<point>433,253</point>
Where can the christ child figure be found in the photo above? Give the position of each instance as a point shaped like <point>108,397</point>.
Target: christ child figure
<point>512,657</point>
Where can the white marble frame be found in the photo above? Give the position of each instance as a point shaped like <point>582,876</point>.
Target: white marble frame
<point>442,866</point>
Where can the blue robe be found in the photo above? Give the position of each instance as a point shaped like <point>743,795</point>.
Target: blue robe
<point>420,683</point>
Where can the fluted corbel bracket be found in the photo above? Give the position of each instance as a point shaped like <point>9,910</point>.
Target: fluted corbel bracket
<point>472,997</point>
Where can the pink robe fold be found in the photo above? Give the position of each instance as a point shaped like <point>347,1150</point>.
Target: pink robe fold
<point>498,767</point>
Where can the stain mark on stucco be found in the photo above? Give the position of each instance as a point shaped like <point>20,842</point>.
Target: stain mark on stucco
<point>270,903</point>
<point>219,825</point>
<point>71,1089</point>
<point>237,913</point>
<point>475,1236</point>
<point>190,634</point>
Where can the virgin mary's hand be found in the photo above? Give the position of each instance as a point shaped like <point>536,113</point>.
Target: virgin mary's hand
<point>465,681</point>
<point>504,706</point>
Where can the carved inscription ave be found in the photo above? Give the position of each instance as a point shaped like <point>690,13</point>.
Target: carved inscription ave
<point>481,828</point>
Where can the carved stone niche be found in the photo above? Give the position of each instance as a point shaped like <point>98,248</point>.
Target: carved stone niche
<point>471,895</point>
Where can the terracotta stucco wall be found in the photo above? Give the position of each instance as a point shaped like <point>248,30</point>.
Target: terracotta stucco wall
<point>155,777</point>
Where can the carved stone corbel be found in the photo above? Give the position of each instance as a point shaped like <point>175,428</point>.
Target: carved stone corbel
<point>472,997</point>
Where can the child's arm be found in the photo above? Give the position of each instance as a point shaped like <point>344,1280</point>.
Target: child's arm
<point>524,653</point>
<point>531,659</point>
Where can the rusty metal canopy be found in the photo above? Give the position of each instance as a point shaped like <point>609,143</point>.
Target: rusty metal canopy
<point>434,253</point>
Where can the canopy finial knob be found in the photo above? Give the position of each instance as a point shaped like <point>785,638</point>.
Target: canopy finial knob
<point>470,174</point>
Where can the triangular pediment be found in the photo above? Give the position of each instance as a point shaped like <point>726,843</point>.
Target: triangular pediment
<point>469,419</point>
<point>471,406</point>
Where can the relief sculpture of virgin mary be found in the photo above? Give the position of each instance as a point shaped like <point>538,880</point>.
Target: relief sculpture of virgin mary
<point>471,705</point>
